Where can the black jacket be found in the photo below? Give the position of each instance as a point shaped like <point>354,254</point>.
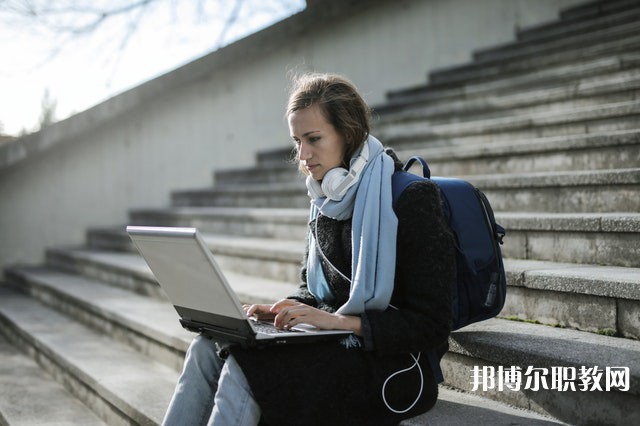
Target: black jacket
<point>325,383</point>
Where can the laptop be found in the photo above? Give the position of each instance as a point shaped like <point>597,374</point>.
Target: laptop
<point>188,273</point>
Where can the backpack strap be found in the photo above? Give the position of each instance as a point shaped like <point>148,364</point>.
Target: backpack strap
<point>400,180</point>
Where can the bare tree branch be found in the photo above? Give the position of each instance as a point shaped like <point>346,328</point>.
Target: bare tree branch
<point>230,21</point>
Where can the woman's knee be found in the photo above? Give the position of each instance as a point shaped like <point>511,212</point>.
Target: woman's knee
<point>203,352</point>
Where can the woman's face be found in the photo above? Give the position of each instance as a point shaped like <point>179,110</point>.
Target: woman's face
<point>320,147</point>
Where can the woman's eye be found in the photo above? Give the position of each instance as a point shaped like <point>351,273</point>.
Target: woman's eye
<point>313,139</point>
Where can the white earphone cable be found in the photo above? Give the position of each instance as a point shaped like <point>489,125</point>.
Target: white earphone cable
<point>415,364</point>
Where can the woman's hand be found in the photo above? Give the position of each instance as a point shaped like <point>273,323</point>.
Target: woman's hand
<point>261,312</point>
<point>289,313</point>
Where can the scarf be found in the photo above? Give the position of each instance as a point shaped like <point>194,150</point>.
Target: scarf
<point>373,235</point>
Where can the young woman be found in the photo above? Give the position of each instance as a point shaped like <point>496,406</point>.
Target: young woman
<point>380,272</point>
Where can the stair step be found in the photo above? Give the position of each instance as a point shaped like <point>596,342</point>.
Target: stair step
<point>569,191</point>
<point>582,78</point>
<point>130,272</point>
<point>261,173</point>
<point>500,343</point>
<point>610,150</point>
<point>521,94</point>
<point>448,406</point>
<point>288,195</point>
<point>582,18</point>
<point>553,45</point>
<point>596,8</point>
<point>590,191</point>
<point>125,270</point>
<point>585,238</point>
<point>114,380</point>
<point>455,408</point>
<point>29,396</point>
<point>586,297</point>
<point>591,298</point>
<point>610,117</point>
<point>457,74</point>
<point>147,325</point>
<point>257,222</point>
<point>277,259</point>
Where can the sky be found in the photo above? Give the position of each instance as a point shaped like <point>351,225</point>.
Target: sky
<point>79,71</point>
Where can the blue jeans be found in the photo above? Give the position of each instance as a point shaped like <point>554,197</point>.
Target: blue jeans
<point>211,391</point>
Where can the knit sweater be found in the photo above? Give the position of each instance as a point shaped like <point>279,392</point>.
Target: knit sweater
<point>326,383</point>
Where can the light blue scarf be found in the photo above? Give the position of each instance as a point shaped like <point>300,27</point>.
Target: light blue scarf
<point>373,235</point>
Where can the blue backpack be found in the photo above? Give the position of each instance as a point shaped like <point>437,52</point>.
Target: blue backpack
<point>480,286</point>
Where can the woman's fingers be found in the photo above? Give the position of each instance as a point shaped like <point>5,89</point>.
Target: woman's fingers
<point>279,305</point>
<point>260,311</point>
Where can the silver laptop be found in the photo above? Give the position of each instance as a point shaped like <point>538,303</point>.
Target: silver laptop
<point>188,273</point>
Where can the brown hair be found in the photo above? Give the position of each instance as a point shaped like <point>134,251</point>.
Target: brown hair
<point>341,105</point>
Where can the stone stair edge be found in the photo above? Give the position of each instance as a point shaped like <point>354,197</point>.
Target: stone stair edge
<point>139,392</point>
<point>486,340</point>
<point>593,8</point>
<point>576,15</point>
<point>603,281</point>
<point>605,221</point>
<point>614,222</point>
<point>563,28</point>
<point>131,263</point>
<point>550,143</point>
<point>28,395</point>
<point>557,178</point>
<point>556,45</point>
<point>469,85</point>
<point>530,180</point>
<point>588,279</point>
<point>254,214</point>
<point>516,127</point>
<point>278,150</point>
<point>110,303</point>
<point>490,99</point>
<point>619,343</point>
<point>471,70</point>
<point>554,143</point>
<point>526,121</point>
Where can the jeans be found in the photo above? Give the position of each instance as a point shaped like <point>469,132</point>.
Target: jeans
<point>211,391</point>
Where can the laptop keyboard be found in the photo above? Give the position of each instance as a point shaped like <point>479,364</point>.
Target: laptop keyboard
<point>268,328</point>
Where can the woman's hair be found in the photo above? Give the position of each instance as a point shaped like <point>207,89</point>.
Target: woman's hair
<point>340,103</point>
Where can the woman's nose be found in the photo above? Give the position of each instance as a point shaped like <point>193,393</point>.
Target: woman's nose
<point>304,152</point>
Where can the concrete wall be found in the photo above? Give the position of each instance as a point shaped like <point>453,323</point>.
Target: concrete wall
<point>216,112</point>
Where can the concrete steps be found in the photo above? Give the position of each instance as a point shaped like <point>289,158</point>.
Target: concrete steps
<point>580,296</point>
<point>582,82</point>
<point>29,396</point>
<point>118,383</point>
<point>534,52</point>
<point>105,312</point>
<point>564,192</point>
<point>594,151</point>
<point>497,342</point>
<point>604,118</point>
<point>142,325</point>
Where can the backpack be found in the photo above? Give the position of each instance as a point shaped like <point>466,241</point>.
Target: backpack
<point>480,286</point>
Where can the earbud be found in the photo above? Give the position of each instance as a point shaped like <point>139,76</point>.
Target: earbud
<point>336,182</point>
